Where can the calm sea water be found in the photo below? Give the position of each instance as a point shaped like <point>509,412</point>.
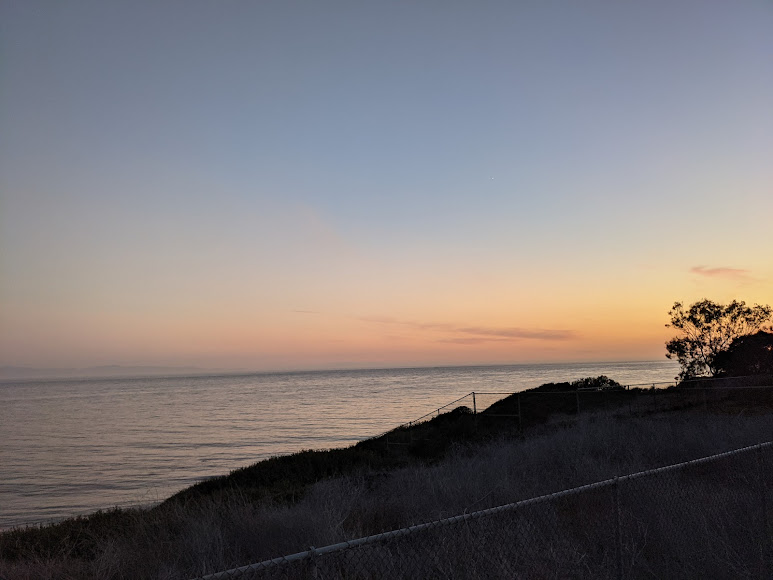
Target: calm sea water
<point>73,446</point>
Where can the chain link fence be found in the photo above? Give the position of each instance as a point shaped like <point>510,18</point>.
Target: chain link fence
<point>706,518</point>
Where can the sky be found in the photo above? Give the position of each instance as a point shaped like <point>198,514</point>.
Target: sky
<point>329,184</point>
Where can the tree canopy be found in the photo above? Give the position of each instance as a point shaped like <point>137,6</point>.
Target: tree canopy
<point>707,329</point>
<point>747,355</point>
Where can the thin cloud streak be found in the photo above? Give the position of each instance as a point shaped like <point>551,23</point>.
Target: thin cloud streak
<point>472,340</point>
<point>479,334</point>
<point>722,272</point>
<point>527,333</point>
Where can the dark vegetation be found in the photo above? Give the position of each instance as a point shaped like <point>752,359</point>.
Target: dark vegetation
<point>747,355</point>
<point>708,331</point>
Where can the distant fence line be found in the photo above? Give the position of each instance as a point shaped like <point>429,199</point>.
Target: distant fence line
<point>698,389</point>
<point>721,519</point>
<point>715,382</point>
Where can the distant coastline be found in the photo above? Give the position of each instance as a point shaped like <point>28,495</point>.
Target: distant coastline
<point>10,373</point>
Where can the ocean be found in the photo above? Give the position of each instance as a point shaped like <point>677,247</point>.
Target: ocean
<point>73,446</point>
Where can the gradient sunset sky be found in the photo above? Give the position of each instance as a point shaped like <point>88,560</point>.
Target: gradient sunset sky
<point>268,185</point>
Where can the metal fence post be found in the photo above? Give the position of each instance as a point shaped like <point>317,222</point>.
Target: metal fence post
<point>313,558</point>
<point>766,570</point>
<point>474,404</point>
<point>520,419</point>
<point>618,532</point>
<point>628,396</point>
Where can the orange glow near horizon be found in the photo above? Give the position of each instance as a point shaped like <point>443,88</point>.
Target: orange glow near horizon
<point>484,332</point>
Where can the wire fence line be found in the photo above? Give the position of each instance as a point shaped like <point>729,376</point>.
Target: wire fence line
<point>522,409</point>
<point>708,517</point>
<point>475,404</point>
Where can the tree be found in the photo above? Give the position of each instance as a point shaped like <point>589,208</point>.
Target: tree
<point>707,329</point>
<point>747,355</point>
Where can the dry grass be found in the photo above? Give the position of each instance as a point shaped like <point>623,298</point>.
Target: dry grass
<point>182,540</point>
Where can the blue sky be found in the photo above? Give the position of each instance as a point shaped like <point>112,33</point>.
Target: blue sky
<point>179,179</point>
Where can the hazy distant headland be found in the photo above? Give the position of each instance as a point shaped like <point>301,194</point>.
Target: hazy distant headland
<point>105,371</point>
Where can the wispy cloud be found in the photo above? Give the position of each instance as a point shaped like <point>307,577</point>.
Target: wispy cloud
<point>472,340</point>
<point>305,311</point>
<point>527,333</point>
<point>459,334</point>
<point>722,272</point>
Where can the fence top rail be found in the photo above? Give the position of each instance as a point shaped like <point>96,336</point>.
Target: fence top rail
<point>438,409</point>
<point>311,552</point>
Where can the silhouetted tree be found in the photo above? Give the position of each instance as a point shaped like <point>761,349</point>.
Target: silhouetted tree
<point>707,329</point>
<point>747,355</point>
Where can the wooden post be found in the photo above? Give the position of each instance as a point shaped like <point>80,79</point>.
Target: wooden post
<point>766,567</point>
<point>618,532</point>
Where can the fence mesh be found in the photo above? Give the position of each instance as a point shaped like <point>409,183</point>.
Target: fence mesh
<point>703,518</point>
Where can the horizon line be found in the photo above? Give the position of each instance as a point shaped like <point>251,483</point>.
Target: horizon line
<point>168,371</point>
